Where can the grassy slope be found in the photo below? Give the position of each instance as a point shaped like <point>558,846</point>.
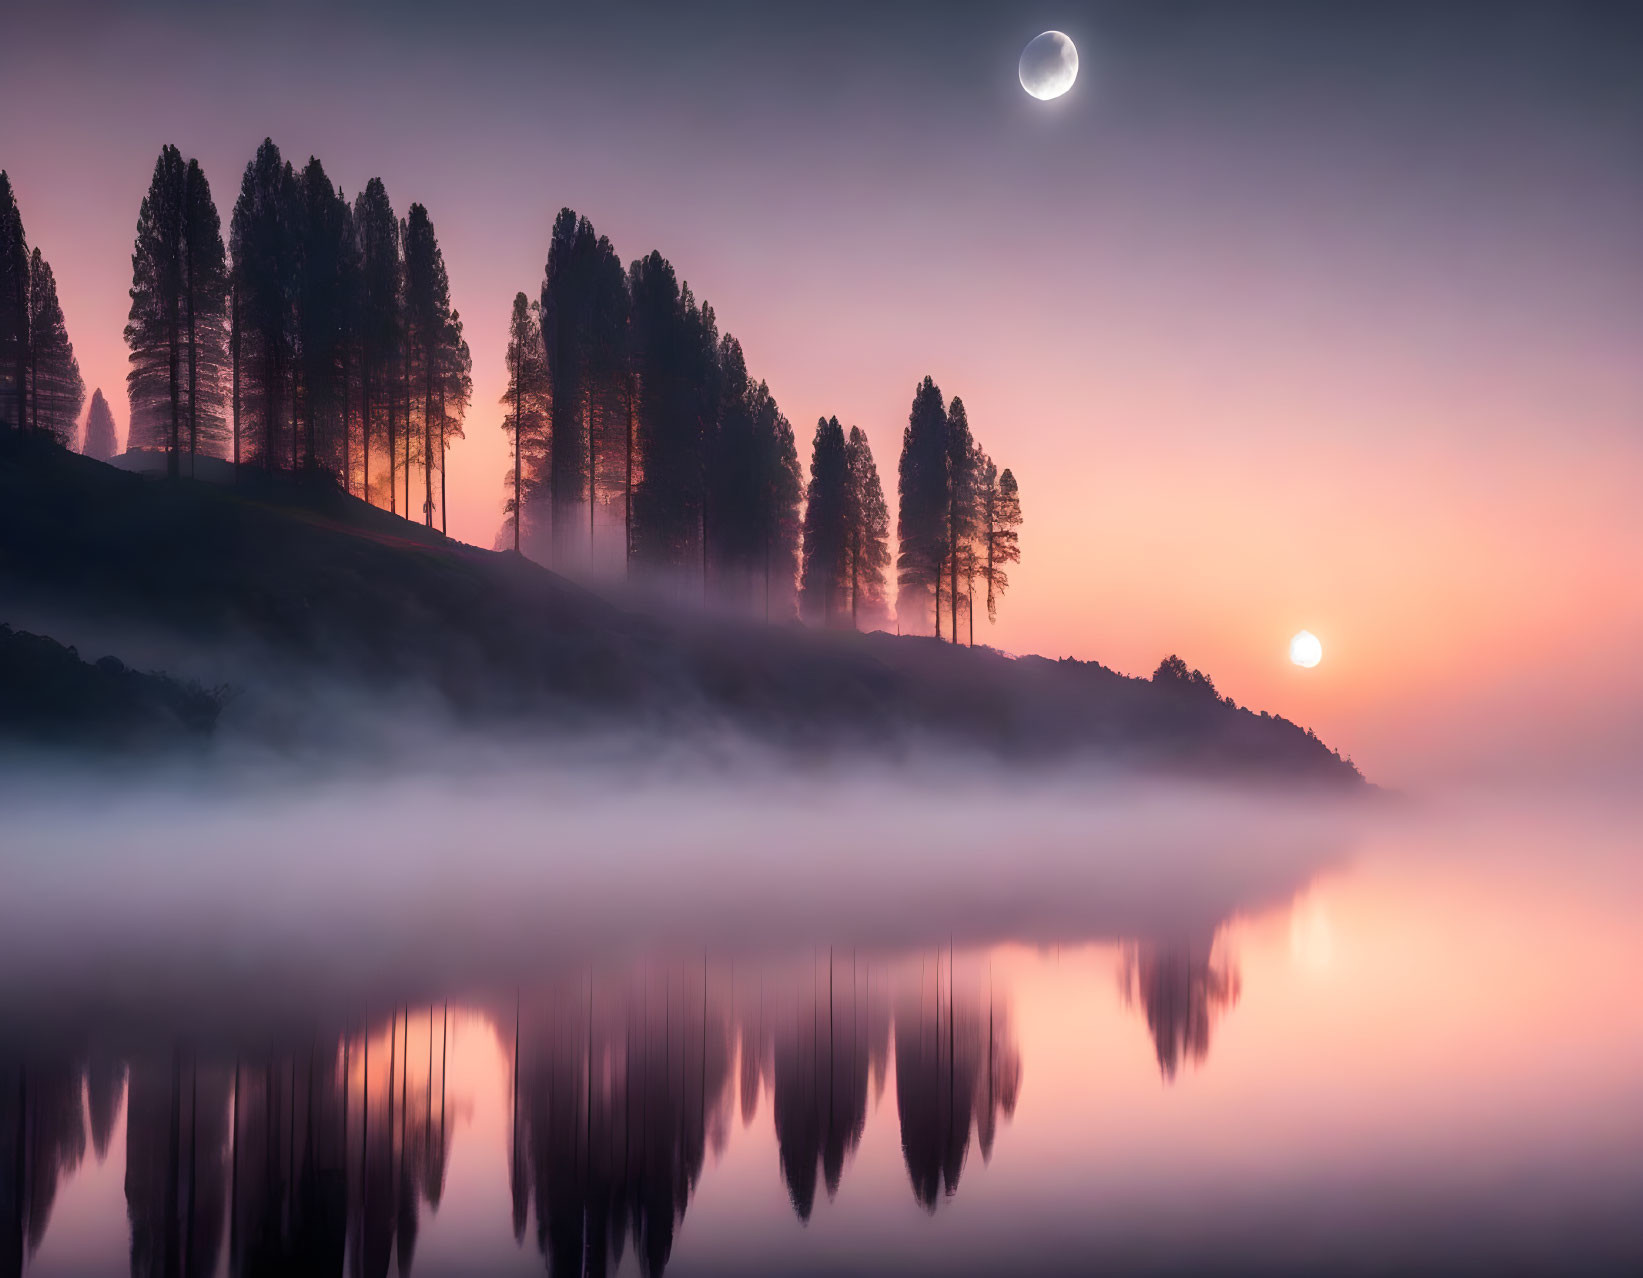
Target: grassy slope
<point>321,585</point>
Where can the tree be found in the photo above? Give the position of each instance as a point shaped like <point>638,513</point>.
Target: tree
<point>323,258</point>
<point>14,309</point>
<point>376,235</point>
<point>99,440</point>
<point>961,499</point>
<point>921,524</point>
<point>56,392</point>
<point>154,332</point>
<point>263,243</point>
<point>526,399</point>
<point>205,314</point>
<point>438,355</point>
<point>666,498</point>
<point>823,577</point>
<point>868,531</point>
<point>780,487</point>
<point>1000,544</point>
<point>564,290</point>
<point>455,382</point>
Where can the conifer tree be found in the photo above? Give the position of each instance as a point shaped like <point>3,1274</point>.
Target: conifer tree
<point>376,234</point>
<point>455,389</point>
<point>868,532</point>
<point>665,507</point>
<point>204,283</point>
<point>823,578</point>
<point>14,309</point>
<point>780,489</point>
<point>526,401</point>
<point>1000,543</point>
<point>921,524</point>
<point>961,500</point>
<point>263,243</point>
<point>99,438</point>
<point>154,329</point>
<point>56,392</point>
<point>322,256</point>
<point>433,336</point>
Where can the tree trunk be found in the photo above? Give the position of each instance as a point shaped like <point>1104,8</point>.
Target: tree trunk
<point>193,367</point>
<point>593,471</point>
<point>347,430</point>
<point>175,372</point>
<point>428,439</point>
<point>234,342</point>
<point>444,519</point>
<point>627,499</point>
<point>393,444</point>
<point>518,452</point>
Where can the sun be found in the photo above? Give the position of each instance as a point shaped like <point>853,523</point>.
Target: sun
<point>1305,650</point>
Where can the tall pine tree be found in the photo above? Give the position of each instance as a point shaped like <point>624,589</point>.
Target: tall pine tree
<point>14,309</point>
<point>526,419</point>
<point>376,233</point>
<point>823,579</point>
<point>264,245</point>
<point>921,524</point>
<point>868,533</point>
<point>56,392</point>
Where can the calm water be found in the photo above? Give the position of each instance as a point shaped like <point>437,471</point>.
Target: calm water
<point>1416,1046</point>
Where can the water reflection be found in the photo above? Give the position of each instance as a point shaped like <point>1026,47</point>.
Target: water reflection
<point>957,1069</point>
<point>42,1140</point>
<point>1182,988</point>
<point>619,1089</point>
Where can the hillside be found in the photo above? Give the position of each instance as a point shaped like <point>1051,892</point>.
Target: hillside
<point>321,612</point>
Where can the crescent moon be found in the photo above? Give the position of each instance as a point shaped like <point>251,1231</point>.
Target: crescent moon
<point>1049,65</point>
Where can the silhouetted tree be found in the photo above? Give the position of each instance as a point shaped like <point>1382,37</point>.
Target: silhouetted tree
<point>433,336</point>
<point>205,315</point>
<point>868,532</point>
<point>584,321</point>
<point>921,525</point>
<point>99,437</point>
<point>153,330</point>
<point>14,309</point>
<point>824,576</point>
<point>1000,545</point>
<point>961,500</point>
<point>176,330</point>
<point>56,392</point>
<point>324,255</point>
<point>263,242</point>
<point>376,234</point>
<point>667,496</point>
<point>526,399</point>
<point>455,382</point>
<point>779,490</point>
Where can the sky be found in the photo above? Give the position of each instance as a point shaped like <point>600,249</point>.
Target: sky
<point>1288,315</point>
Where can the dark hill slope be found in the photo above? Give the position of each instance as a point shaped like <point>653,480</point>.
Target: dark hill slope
<point>281,589</point>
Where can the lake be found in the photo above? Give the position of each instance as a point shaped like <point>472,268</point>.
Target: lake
<point>848,1026</point>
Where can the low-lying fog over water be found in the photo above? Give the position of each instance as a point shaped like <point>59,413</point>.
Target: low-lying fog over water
<point>837,1022</point>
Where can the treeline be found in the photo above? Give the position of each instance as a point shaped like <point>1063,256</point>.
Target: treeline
<point>40,386</point>
<point>627,410</point>
<point>319,339</point>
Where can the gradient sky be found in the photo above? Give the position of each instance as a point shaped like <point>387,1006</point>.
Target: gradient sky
<point>1288,315</point>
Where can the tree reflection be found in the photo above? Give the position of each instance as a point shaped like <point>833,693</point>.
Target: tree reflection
<point>826,1043</point>
<point>620,1089</point>
<point>42,1140</point>
<point>957,1068</point>
<point>1182,988</point>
